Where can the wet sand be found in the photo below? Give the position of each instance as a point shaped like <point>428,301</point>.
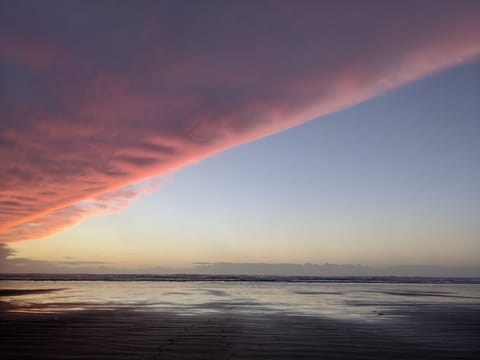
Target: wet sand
<point>440,332</point>
<point>18,292</point>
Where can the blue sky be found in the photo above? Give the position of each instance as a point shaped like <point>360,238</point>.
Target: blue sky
<point>393,180</point>
<point>273,131</point>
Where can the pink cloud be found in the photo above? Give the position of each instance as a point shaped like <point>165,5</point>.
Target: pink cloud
<point>57,220</point>
<point>96,97</point>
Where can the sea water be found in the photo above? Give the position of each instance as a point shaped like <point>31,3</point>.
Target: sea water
<point>349,298</point>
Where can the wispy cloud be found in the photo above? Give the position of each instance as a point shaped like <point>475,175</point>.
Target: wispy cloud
<point>97,96</point>
<point>104,204</point>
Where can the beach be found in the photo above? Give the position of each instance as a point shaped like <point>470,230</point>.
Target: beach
<point>426,325</point>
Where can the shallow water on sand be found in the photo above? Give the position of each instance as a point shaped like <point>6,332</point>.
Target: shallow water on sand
<point>235,320</point>
<point>343,301</point>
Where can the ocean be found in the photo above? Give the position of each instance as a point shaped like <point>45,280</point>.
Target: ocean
<point>338,297</point>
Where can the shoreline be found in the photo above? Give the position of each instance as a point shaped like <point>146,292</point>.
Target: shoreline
<point>187,277</point>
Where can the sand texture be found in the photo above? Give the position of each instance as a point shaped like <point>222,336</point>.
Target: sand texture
<point>422,333</point>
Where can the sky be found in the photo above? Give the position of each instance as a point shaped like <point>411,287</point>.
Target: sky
<point>137,135</point>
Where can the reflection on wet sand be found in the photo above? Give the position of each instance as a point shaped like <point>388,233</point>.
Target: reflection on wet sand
<point>243,320</point>
<point>133,334</point>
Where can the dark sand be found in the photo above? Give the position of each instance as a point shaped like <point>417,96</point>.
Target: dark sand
<point>442,332</point>
<point>18,292</point>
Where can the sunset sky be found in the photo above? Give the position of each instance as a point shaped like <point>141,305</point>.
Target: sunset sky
<point>137,134</point>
